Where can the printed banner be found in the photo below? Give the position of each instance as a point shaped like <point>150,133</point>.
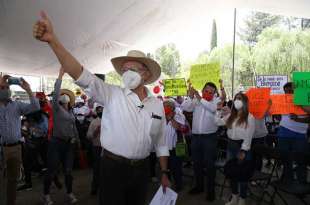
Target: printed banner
<point>202,73</point>
<point>301,88</point>
<point>282,104</point>
<point>258,101</point>
<point>175,87</point>
<point>275,82</point>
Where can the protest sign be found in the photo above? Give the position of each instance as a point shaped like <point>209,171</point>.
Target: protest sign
<point>275,82</point>
<point>282,104</point>
<point>202,73</point>
<point>301,88</point>
<point>175,87</point>
<point>258,101</point>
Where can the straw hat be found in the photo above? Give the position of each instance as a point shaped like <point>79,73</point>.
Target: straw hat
<point>139,56</point>
<point>70,94</point>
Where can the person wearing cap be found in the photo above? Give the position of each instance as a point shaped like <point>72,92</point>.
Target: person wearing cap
<point>61,145</point>
<point>10,137</point>
<point>133,120</point>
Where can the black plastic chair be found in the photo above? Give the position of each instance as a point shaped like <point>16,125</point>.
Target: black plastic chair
<point>294,188</point>
<point>265,176</point>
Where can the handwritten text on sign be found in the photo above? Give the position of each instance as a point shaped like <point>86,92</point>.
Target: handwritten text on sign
<point>175,87</point>
<point>282,104</point>
<point>258,101</point>
<point>301,88</point>
<point>202,73</point>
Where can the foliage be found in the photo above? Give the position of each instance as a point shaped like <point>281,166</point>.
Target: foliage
<point>255,23</point>
<point>281,52</point>
<point>168,58</point>
<point>113,78</point>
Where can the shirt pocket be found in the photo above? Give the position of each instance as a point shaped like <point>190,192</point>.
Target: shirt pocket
<point>156,122</point>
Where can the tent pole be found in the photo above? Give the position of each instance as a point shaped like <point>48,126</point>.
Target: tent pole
<point>233,60</point>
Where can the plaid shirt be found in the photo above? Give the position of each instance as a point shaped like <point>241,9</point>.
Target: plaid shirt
<point>10,119</point>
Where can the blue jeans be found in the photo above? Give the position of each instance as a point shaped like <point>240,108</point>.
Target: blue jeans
<point>59,151</point>
<point>287,145</point>
<point>204,150</point>
<point>236,186</point>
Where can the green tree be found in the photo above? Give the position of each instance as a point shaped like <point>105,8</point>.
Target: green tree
<point>280,52</point>
<point>243,67</point>
<point>168,58</point>
<point>214,36</point>
<point>305,23</point>
<point>255,23</point>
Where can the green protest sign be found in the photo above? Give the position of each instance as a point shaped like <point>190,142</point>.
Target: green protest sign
<point>202,73</point>
<point>301,82</point>
<point>175,87</point>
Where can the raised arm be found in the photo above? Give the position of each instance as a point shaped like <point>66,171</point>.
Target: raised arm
<point>34,105</point>
<point>57,86</point>
<point>43,31</point>
<point>223,92</point>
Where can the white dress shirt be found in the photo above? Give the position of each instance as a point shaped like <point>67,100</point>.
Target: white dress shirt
<point>128,126</point>
<point>170,132</point>
<point>239,132</point>
<point>203,114</point>
<point>95,123</point>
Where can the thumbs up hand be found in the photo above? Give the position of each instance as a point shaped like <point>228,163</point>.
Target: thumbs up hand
<point>43,29</point>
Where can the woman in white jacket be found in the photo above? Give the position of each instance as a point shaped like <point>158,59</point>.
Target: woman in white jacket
<point>240,130</point>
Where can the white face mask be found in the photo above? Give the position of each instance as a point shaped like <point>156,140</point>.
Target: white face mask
<point>64,99</point>
<point>238,104</point>
<point>131,79</point>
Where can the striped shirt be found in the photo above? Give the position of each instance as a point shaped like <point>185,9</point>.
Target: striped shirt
<point>10,119</point>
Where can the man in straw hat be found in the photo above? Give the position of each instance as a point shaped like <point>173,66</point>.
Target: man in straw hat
<point>133,121</point>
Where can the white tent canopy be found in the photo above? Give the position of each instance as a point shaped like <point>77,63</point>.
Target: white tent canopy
<point>94,31</point>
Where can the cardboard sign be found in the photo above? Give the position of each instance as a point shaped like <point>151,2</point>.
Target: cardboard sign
<point>175,87</point>
<point>282,104</point>
<point>275,82</point>
<point>301,88</point>
<point>258,101</point>
<point>202,73</point>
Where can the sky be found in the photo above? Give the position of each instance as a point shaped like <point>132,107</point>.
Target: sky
<point>198,38</point>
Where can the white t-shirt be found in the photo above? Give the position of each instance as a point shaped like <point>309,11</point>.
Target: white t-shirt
<point>294,126</point>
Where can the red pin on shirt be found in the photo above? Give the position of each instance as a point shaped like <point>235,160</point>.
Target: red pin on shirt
<point>156,89</point>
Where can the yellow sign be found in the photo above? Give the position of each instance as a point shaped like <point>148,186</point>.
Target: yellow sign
<point>175,87</point>
<point>202,73</point>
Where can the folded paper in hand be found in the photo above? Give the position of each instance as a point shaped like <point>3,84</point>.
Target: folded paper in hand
<point>161,198</point>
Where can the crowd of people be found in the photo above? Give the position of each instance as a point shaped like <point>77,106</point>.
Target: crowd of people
<point>125,130</point>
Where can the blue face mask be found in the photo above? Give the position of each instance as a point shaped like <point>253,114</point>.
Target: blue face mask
<point>5,95</point>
